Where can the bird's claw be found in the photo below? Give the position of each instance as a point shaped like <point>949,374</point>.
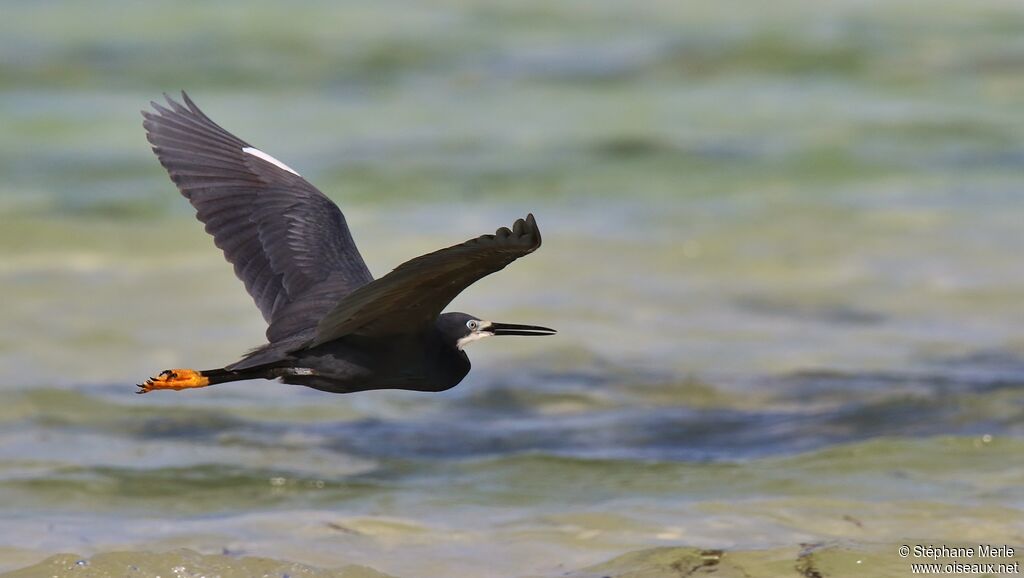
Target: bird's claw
<point>176,379</point>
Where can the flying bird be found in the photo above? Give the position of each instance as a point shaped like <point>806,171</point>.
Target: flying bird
<point>331,325</point>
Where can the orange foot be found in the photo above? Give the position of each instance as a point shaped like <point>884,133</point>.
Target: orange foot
<point>174,379</point>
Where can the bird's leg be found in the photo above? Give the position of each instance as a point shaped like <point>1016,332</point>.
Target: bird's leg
<point>175,379</point>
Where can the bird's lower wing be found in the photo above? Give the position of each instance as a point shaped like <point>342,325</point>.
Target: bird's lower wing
<point>415,293</point>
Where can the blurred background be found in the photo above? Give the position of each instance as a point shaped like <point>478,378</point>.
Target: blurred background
<point>781,244</point>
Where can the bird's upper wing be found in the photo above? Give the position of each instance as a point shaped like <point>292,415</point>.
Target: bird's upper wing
<point>416,292</point>
<point>288,242</point>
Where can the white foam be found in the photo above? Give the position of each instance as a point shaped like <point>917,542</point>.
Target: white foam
<point>262,155</point>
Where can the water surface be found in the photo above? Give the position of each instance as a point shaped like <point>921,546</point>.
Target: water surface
<point>781,246</point>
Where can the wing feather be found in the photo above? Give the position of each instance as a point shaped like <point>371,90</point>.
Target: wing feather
<point>415,293</point>
<point>283,236</point>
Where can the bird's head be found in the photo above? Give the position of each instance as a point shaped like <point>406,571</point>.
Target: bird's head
<point>461,329</point>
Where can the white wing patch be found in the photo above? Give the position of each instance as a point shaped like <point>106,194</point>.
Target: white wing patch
<point>262,155</point>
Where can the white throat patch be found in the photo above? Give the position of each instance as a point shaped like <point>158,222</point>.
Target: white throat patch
<point>463,342</point>
<point>262,155</point>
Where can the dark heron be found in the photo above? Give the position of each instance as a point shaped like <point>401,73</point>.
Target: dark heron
<point>332,326</point>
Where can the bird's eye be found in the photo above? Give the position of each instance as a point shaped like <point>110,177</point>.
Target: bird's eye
<point>473,324</point>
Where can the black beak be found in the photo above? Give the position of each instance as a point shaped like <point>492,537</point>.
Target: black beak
<point>514,329</point>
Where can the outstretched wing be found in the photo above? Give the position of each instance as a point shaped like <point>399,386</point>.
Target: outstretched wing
<point>416,292</point>
<point>288,242</point>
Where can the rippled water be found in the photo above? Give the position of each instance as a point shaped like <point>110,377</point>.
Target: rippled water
<point>781,247</point>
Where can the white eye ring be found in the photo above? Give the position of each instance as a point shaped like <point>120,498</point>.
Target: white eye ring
<point>473,324</point>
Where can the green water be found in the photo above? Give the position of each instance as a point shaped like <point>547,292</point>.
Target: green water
<point>781,246</point>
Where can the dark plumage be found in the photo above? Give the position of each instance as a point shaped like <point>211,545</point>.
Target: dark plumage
<point>331,325</point>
